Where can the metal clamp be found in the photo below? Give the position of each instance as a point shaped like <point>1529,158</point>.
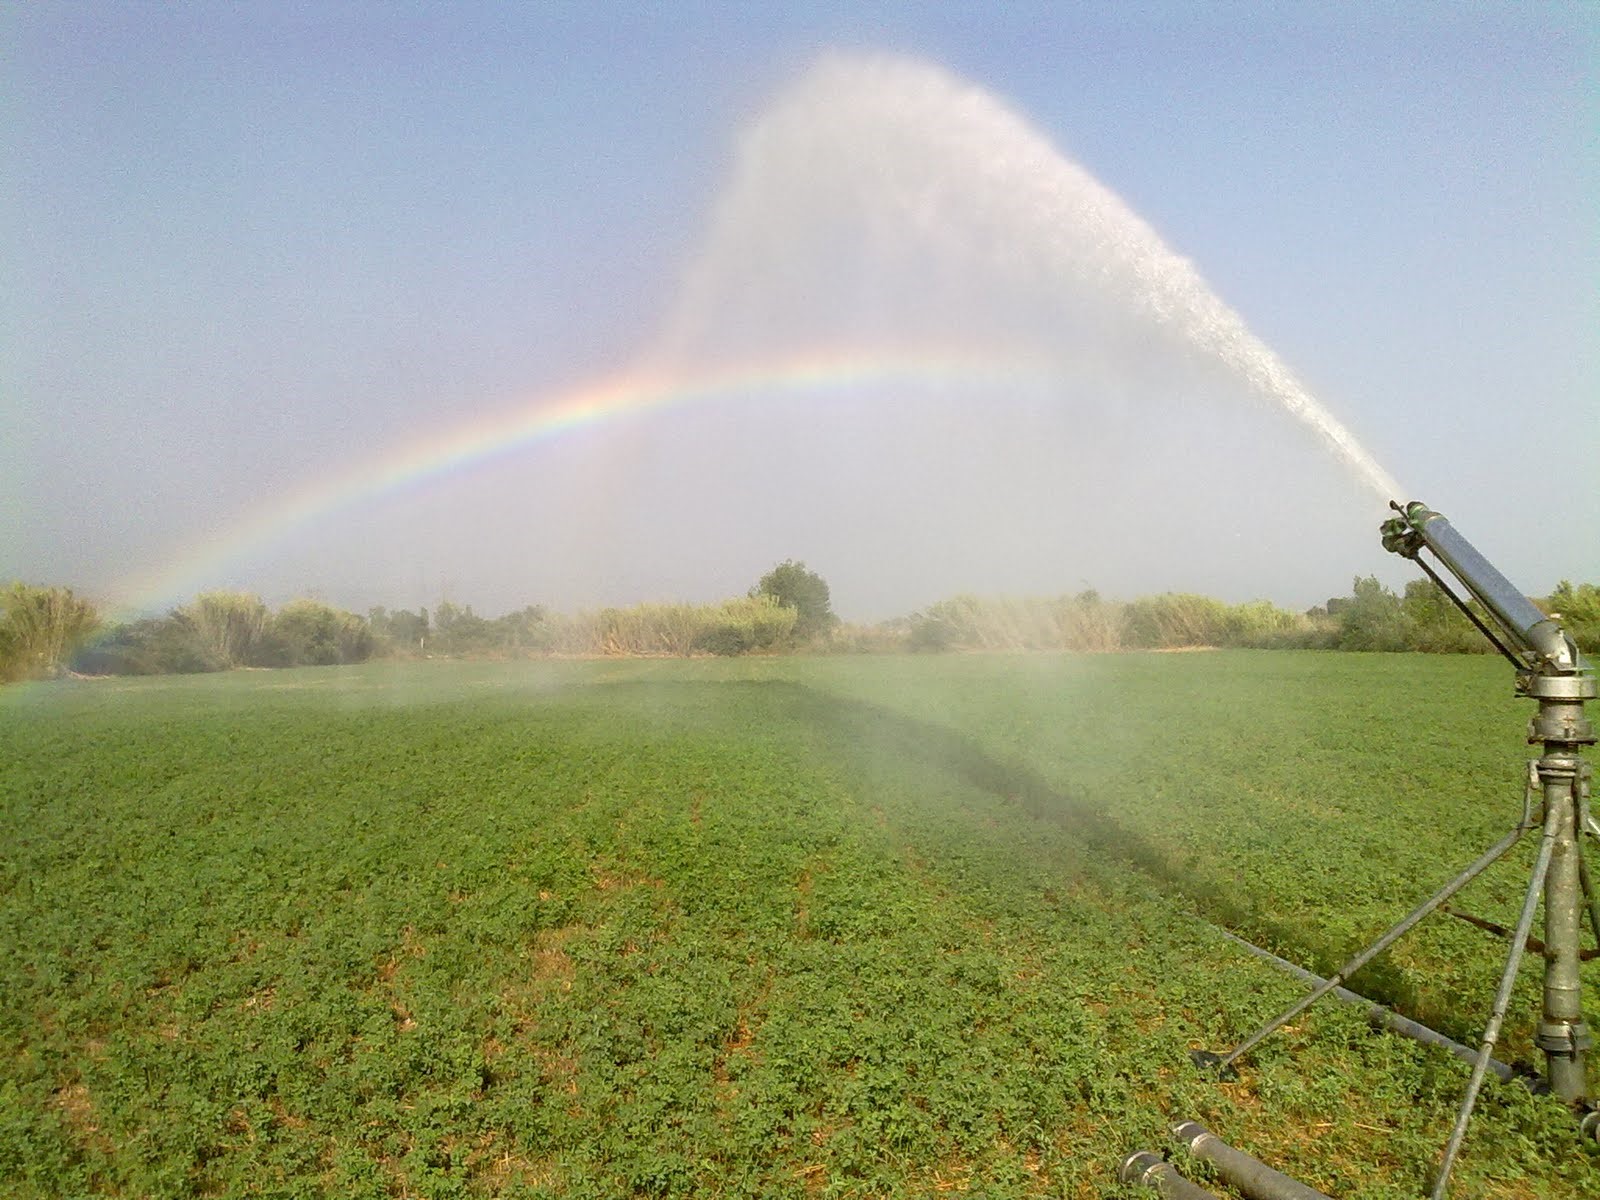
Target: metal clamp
<point>1564,1037</point>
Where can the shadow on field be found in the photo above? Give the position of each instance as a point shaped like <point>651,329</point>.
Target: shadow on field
<point>868,730</point>
<point>867,734</point>
<point>863,730</point>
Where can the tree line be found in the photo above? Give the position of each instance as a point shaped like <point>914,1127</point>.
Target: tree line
<point>1372,617</point>
<point>46,631</point>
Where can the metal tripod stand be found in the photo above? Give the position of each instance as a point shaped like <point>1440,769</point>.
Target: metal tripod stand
<point>1551,671</point>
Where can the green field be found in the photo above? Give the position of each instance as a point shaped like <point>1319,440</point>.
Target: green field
<point>762,927</point>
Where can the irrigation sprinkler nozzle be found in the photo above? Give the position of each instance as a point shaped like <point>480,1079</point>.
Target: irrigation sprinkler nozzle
<point>1401,534</point>
<point>1534,642</point>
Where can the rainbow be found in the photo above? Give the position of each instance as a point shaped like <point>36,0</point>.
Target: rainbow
<point>546,418</point>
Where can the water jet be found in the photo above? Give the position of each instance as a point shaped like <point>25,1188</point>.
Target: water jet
<point>921,207</point>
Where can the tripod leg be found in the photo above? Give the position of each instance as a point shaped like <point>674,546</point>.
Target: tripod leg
<point>1590,900</point>
<point>1488,859</point>
<point>1502,997</point>
<point>1586,824</point>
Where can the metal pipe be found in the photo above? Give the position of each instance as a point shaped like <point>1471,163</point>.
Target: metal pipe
<point>1563,1036</point>
<point>1376,1013</point>
<point>1152,1171</point>
<point>1250,1175</point>
<point>1496,640</point>
<point>1589,1127</point>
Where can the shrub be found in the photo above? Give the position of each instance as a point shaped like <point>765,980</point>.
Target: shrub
<point>1088,623</point>
<point>154,646</point>
<point>1174,620</point>
<point>227,625</point>
<point>1261,624</point>
<point>311,633</point>
<point>648,629</point>
<point>726,639</point>
<point>740,626</point>
<point>1372,618</point>
<point>40,628</point>
<point>1083,622</point>
<point>1432,622</point>
<point>947,625</point>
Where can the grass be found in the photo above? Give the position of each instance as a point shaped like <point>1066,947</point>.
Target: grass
<point>775,927</point>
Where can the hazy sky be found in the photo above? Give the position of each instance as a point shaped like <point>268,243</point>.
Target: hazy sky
<point>251,250</point>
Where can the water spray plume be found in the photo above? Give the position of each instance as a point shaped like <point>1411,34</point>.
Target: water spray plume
<point>871,171</point>
<point>885,223</point>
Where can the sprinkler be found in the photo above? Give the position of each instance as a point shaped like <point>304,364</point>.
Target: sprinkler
<point>1551,670</point>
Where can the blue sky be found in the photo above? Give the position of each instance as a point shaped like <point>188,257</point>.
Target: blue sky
<point>249,246</point>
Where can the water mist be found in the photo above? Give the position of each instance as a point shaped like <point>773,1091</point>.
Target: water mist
<point>888,231</point>
<point>881,202</point>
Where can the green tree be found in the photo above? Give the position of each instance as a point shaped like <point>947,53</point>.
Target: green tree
<point>793,586</point>
<point>459,630</point>
<point>1580,602</point>
<point>1372,618</point>
<point>529,630</point>
<point>399,632</point>
<point>311,633</point>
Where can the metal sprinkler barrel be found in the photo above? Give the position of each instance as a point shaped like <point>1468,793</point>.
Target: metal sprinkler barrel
<point>1537,639</point>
